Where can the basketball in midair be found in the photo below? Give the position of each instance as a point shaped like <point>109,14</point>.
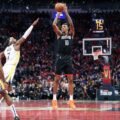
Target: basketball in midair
<point>59,7</point>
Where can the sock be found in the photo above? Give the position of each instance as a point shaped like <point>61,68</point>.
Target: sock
<point>12,107</point>
<point>54,97</point>
<point>71,97</point>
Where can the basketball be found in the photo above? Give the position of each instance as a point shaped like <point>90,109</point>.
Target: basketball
<point>59,7</point>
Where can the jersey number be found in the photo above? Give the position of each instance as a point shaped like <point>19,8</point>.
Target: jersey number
<point>66,42</point>
<point>8,54</point>
<point>99,25</point>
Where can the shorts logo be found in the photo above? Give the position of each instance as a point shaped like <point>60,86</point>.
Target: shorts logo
<point>66,42</point>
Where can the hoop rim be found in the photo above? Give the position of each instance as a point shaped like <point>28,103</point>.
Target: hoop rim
<point>97,53</point>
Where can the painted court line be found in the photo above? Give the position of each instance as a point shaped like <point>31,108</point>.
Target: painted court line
<point>59,109</point>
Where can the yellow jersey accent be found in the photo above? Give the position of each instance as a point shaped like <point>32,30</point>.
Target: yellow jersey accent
<point>2,84</point>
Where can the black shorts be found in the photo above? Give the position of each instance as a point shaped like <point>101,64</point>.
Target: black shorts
<point>64,65</point>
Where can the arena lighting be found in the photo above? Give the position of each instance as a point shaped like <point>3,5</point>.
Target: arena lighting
<point>27,7</point>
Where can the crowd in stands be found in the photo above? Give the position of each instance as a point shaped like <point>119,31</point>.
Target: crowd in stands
<point>52,2</point>
<point>35,73</point>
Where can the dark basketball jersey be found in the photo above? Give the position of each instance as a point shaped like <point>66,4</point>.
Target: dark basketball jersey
<point>98,25</point>
<point>64,45</point>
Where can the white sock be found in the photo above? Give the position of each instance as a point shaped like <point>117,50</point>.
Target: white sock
<point>54,97</point>
<point>71,97</point>
<point>12,107</point>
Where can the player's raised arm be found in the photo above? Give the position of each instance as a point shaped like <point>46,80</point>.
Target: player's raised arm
<point>72,30</point>
<point>27,33</point>
<point>55,27</point>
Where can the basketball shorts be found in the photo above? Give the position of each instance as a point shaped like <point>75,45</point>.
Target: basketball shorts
<point>64,65</point>
<point>9,72</point>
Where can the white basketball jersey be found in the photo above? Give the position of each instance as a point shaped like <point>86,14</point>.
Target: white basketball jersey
<point>12,56</point>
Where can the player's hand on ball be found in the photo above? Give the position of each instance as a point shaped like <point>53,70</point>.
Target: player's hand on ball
<point>35,22</point>
<point>65,9</point>
<point>58,14</point>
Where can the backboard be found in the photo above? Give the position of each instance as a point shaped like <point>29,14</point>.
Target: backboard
<point>91,45</point>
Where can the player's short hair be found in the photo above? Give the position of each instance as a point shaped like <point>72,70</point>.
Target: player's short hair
<point>65,24</point>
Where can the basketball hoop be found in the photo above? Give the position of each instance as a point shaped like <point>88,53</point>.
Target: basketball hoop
<point>96,54</point>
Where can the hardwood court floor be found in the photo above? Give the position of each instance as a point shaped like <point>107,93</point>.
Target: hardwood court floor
<point>42,110</point>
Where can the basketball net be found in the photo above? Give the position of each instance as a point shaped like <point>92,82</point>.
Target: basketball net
<point>96,54</point>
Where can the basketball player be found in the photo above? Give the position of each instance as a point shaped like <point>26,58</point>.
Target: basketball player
<point>12,55</point>
<point>64,58</point>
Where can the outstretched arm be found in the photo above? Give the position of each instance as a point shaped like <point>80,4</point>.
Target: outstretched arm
<point>72,30</point>
<point>55,27</point>
<point>27,33</point>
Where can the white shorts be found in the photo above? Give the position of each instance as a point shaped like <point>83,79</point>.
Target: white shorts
<point>9,72</point>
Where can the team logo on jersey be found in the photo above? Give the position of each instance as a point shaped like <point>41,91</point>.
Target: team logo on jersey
<point>65,37</point>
